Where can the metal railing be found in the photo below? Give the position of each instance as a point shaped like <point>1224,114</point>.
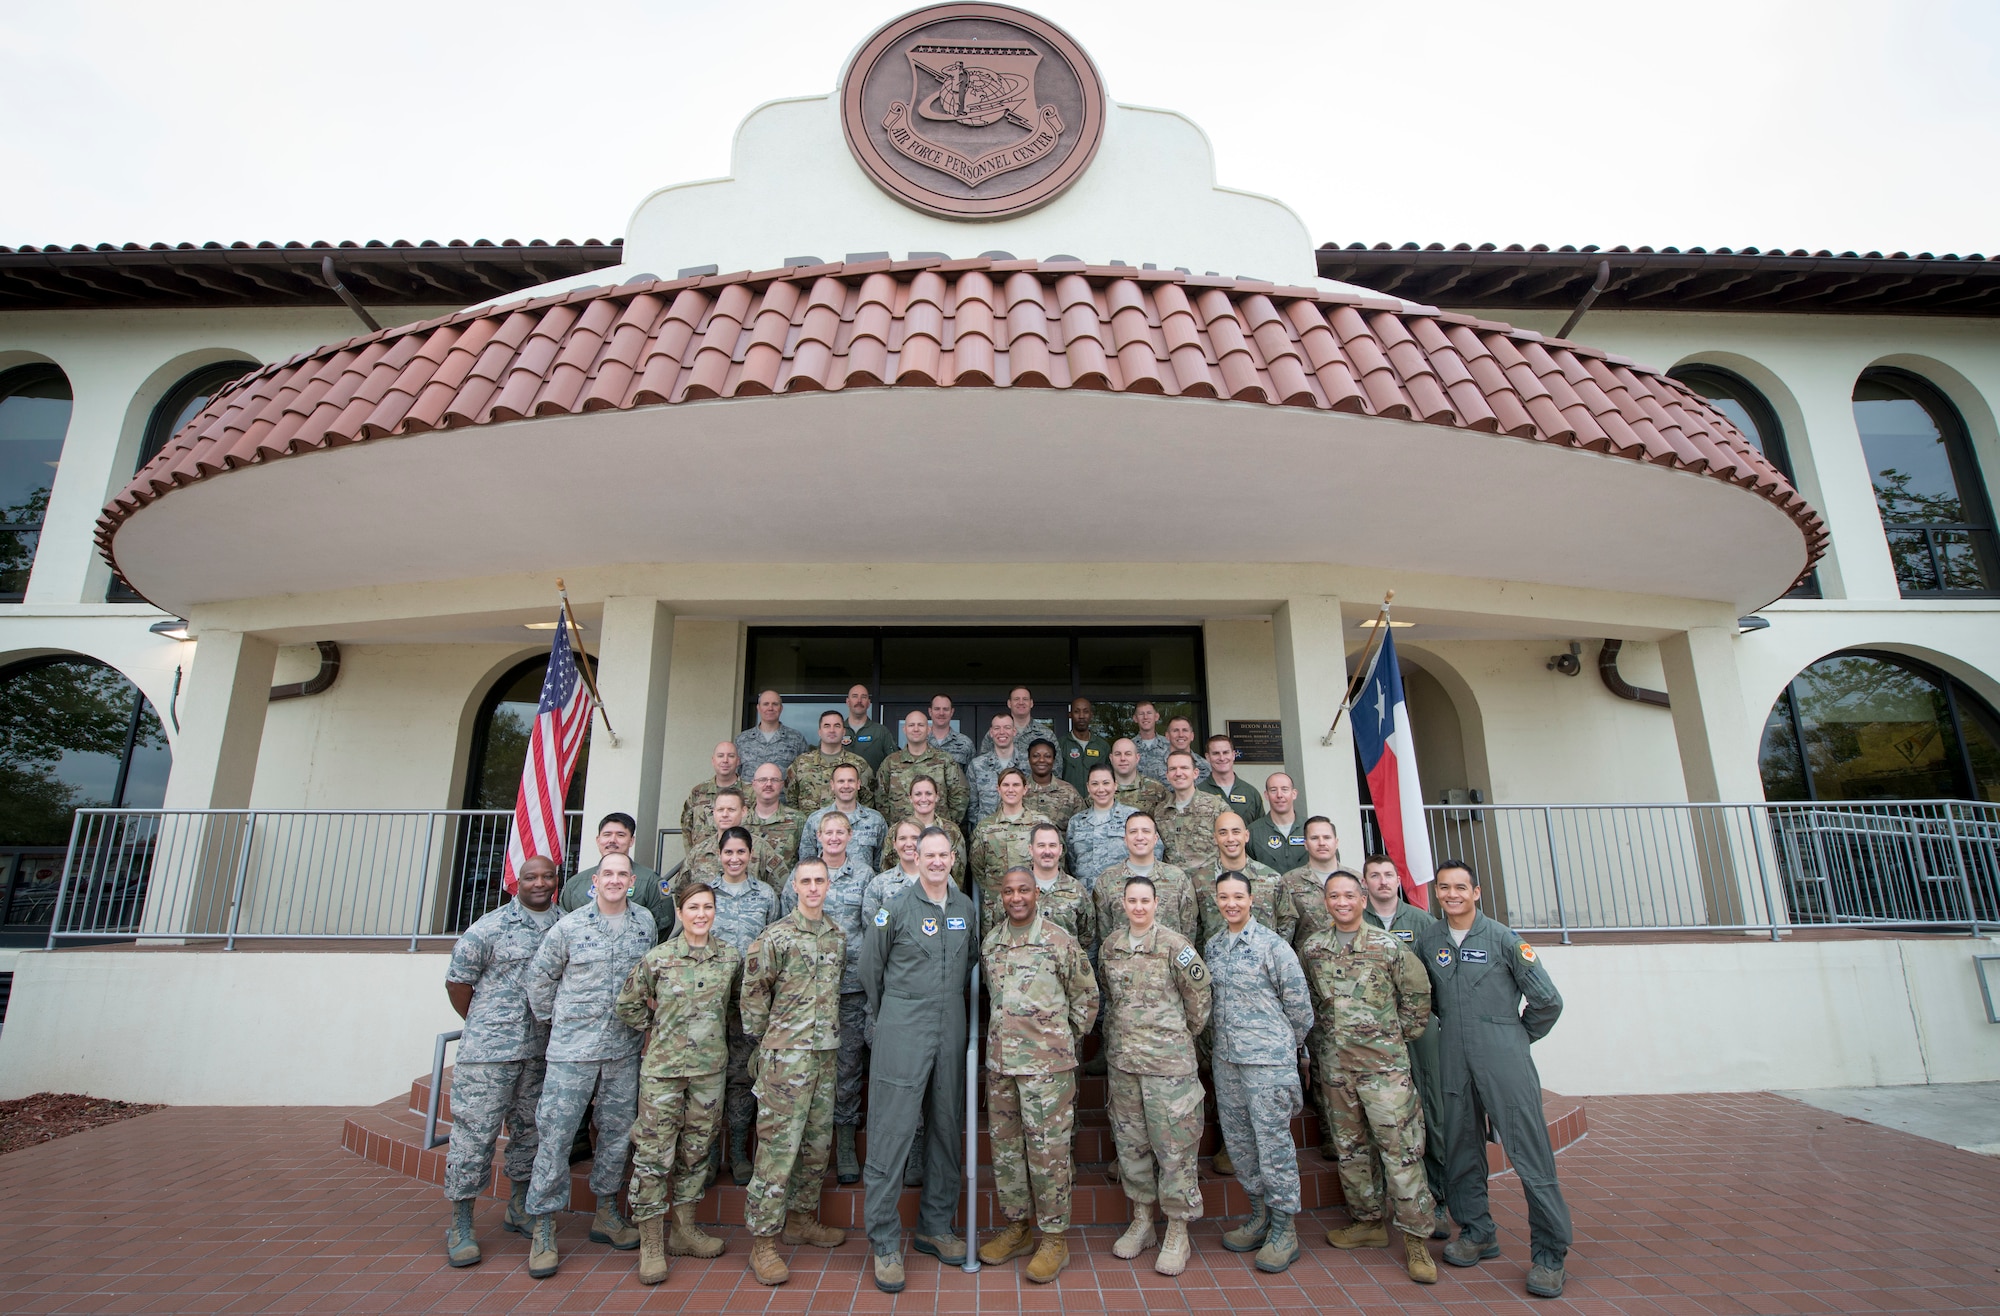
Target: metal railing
<point>240,874</point>
<point>1566,868</point>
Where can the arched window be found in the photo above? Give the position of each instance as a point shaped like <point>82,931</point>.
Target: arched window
<point>34,416</point>
<point>175,410</point>
<point>1749,411</point>
<point>1927,486</point>
<point>74,733</point>
<point>1866,725</point>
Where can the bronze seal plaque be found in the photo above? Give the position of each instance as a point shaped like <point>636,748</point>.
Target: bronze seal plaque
<point>972,111</point>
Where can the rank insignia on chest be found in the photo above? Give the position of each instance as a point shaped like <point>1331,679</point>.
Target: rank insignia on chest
<point>954,925</point>
<point>1444,957</point>
<point>930,927</point>
<point>1473,956</point>
<point>881,918</point>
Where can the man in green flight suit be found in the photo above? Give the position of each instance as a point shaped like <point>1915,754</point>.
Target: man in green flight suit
<point>1480,973</point>
<point>1388,910</point>
<point>615,835</point>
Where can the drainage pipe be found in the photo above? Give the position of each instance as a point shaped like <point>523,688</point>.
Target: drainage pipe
<point>320,681</point>
<point>1607,668</point>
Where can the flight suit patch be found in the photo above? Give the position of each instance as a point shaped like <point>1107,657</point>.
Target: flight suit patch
<point>1527,952</point>
<point>881,918</point>
<point>954,925</point>
<point>666,887</point>
<point>1473,956</point>
<point>1444,957</point>
<point>930,926</point>
<point>1404,934</point>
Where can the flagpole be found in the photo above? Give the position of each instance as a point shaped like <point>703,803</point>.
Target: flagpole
<point>583,666</point>
<point>1364,668</point>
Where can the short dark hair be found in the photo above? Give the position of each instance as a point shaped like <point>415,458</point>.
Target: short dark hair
<point>1342,872</point>
<point>737,791</point>
<point>833,712</point>
<point>625,820</point>
<point>1034,745</point>
<point>1104,768</point>
<point>736,834</point>
<point>1011,772</point>
<point>1187,754</point>
<point>1215,736</point>
<point>929,832</point>
<point>1041,827</point>
<point>1228,875</point>
<point>1457,863</point>
<point>839,768</point>
<point>1147,814</point>
<point>693,889</point>
<point>820,864</point>
<point>1140,879</point>
<point>1017,868</point>
<point>1320,817</point>
<point>1379,858</point>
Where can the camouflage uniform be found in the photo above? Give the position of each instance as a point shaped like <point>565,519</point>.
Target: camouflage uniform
<point>957,746</point>
<point>871,742</point>
<point>1406,927</point>
<point>958,847</point>
<point>1096,843</point>
<point>1267,899</point>
<point>650,892</point>
<point>1263,1011</point>
<point>809,781</point>
<point>1066,904</point>
<point>867,831</point>
<point>1281,848</point>
<point>704,862</point>
<point>1037,730</point>
<point>741,915</point>
<point>1374,1001</point>
<point>1044,998</point>
<point>754,751</point>
<point>1241,799</point>
<point>571,983</point>
<point>1058,801</point>
<point>683,995</point>
<point>1306,890</point>
<point>983,775</point>
<point>1177,908</point>
<point>698,813</point>
<point>893,778</point>
<point>1156,1000</point>
<point>1187,836</point>
<point>998,844</point>
<point>498,1074</point>
<point>781,833</point>
<point>1153,757</point>
<point>791,1005</point>
<point>843,908</point>
<point>1144,793</point>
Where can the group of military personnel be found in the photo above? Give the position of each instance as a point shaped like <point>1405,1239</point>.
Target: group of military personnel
<point>817,941</point>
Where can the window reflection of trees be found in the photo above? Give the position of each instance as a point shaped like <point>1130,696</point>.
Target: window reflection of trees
<point>1862,726</point>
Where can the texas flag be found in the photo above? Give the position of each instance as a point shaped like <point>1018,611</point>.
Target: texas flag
<point>1389,761</point>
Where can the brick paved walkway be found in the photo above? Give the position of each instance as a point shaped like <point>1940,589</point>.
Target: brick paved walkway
<point>1747,1203</point>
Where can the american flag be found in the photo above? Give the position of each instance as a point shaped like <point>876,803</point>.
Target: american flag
<point>560,725</point>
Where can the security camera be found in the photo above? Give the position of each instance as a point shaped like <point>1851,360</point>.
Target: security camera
<point>1569,664</point>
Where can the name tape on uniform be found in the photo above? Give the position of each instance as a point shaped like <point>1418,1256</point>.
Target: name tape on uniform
<point>954,925</point>
<point>1473,956</point>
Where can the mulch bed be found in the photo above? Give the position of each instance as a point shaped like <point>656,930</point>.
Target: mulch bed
<point>49,1115</point>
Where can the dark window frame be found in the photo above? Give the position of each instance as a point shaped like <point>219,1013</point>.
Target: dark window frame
<point>159,430</point>
<point>1772,441</point>
<point>11,382</point>
<point>1966,473</point>
<point>1954,690</point>
<point>475,758</point>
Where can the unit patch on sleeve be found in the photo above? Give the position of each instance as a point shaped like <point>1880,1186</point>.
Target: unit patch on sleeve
<point>1186,957</point>
<point>1527,952</point>
<point>882,918</point>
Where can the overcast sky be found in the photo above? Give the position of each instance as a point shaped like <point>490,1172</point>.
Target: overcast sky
<point>1824,123</point>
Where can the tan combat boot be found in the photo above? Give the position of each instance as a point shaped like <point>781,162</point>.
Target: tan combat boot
<point>1051,1255</point>
<point>1281,1245</point>
<point>612,1229</point>
<point>804,1227</point>
<point>1362,1233</point>
<point>1221,1161</point>
<point>654,1267</point>
<point>1138,1235</point>
<point>1016,1240</point>
<point>889,1272</point>
<point>1175,1249</point>
<point>686,1238</point>
<point>1417,1260</point>
<point>542,1257</point>
<point>461,1244</point>
<point>765,1263</point>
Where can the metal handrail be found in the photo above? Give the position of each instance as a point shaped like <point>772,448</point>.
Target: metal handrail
<point>437,1086</point>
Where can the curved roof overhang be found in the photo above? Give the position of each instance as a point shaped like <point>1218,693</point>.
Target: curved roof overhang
<point>780,416</point>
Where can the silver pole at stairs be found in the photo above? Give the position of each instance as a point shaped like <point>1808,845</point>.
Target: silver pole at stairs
<point>972,1103</point>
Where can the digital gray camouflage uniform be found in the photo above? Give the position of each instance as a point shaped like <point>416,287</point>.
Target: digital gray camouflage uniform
<point>684,995</point>
<point>957,746</point>
<point>576,975</point>
<point>1037,730</point>
<point>867,831</point>
<point>1373,1000</point>
<point>1267,899</point>
<point>1153,757</point>
<point>1156,1000</point>
<point>741,915</point>
<point>1044,998</point>
<point>755,751</point>
<point>1187,835</point>
<point>1095,842</point>
<point>1263,1011</point>
<point>983,776</point>
<point>843,907</point>
<point>809,781</point>
<point>498,1072</point>
<point>1178,907</point>
<point>649,891</point>
<point>900,769</point>
<point>791,1005</point>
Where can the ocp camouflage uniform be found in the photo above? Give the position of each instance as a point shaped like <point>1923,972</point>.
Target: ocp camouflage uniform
<point>1044,998</point>
<point>1037,730</point>
<point>755,751</point>
<point>1058,801</point>
<point>1066,904</point>
<point>1187,835</point>
<point>1409,924</point>
<point>958,846</point>
<point>1263,1011</point>
<point>1177,906</point>
<point>683,994</point>
<point>1144,793</point>
<point>983,776</point>
<point>958,746</point>
<point>866,832</point>
<point>999,844</point>
<point>809,781</point>
<point>900,769</point>
<point>791,1005</point>
<point>501,1057</point>
<point>1157,999</point>
<point>698,812</point>
<point>843,907</point>
<point>741,915</point>
<point>650,892</point>
<point>781,832</point>
<point>1374,1001</point>
<point>1267,899</point>
<point>1095,843</point>
<point>572,982</point>
<point>1306,890</point>
<point>704,863</point>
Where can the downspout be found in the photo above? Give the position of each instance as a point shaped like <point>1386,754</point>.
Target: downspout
<point>1576,316</point>
<point>332,279</point>
<point>1607,668</point>
<point>320,682</point>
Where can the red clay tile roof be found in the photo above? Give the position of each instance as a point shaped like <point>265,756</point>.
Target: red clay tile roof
<point>958,324</point>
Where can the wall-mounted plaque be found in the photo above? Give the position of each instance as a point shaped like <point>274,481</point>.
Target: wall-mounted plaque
<point>1258,739</point>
